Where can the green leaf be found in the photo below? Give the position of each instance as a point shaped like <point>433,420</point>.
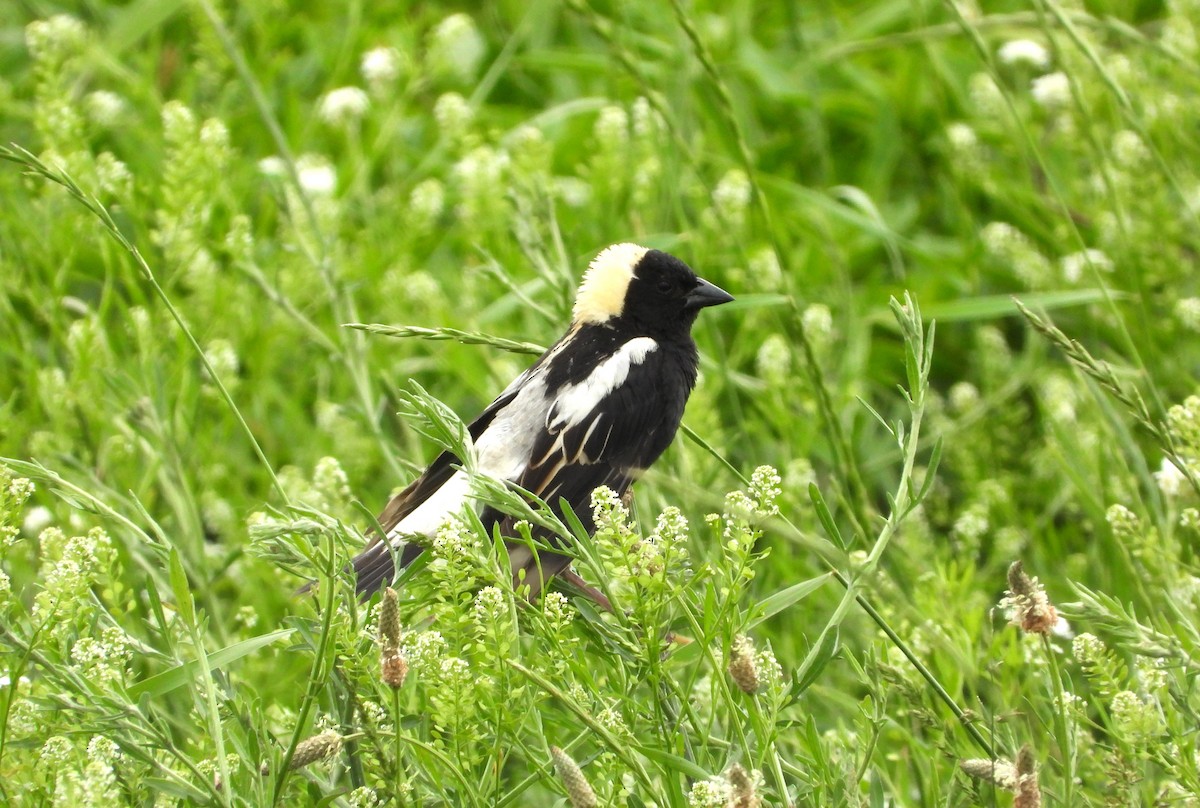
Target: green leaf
<point>675,762</point>
<point>827,651</point>
<point>825,517</point>
<point>786,597</point>
<point>181,589</point>
<point>180,675</point>
<point>991,307</point>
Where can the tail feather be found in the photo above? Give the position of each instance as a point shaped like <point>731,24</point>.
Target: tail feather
<point>375,567</point>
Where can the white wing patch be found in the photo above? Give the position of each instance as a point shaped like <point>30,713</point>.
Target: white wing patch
<point>430,515</point>
<point>504,448</point>
<point>502,451</point>
<point>576,402</point>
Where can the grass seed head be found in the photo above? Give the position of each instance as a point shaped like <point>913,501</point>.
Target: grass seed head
<point>579,791</point>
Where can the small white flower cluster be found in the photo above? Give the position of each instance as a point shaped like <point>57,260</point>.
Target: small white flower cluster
<point>731,198</point>
<point>318,177</point>
<point>1184,422</point>
<point>963,398</point>
<point>453,115</point>
<point>380,67</point>
<point>426,204</point>
<point>1060,398</point>
<point>1088,649</point>
<point>1074,264</point>
<point>104,107</point>
<point>1051,91</point>
<point>715,792</point>
<point>972,524</point>
<point>1123,522</point>
<point>344,106</point>
<point>490,605</point>
<point>1170,479</point>
<point>671,528</point>
<point>1135,719</point>
<point>765,490</point>
<point>103,660</point>
<point>424,652</point>
<point>765,268</point>
<point>558,611</point>
<point>609,512</point>
<point>817,322</point>
<point>456,48</point>
<point>774,359</point>
<point>529,151</point>
<point>222,357</point>
<point>453,542</point>
<point>70,566</point>
<point>1025,52</point>
<point>612,129</point>
<point>55,39</point>
<point>1187,312</point>
<point>331,482</point>
<point>479,177</point>
<point>985,95</point>
<point>1013,248</point>
<point>737,788</point>
<point>1129,150</point>
<point>962,138</point>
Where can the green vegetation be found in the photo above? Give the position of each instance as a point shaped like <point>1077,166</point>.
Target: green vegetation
<point>200,200</point>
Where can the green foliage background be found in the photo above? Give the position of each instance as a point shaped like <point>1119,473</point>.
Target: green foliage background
<point>816,160</point>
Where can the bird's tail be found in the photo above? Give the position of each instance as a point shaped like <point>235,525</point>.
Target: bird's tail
<point>375,567</point>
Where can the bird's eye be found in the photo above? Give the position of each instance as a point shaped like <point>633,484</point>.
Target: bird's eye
<point>665,287</point>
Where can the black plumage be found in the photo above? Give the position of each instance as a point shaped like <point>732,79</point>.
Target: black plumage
<point>597,408</point>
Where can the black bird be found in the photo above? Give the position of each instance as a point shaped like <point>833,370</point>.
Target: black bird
<point>596,409</point>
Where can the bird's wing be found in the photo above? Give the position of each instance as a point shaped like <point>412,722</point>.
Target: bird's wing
<point>604,430</point>
<point>375,565</point>
<point>442,468</point>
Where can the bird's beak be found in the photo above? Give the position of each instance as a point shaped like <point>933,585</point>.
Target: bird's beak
<point>706,294</point>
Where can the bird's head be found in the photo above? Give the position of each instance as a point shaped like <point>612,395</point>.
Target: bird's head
<point>647,289</point>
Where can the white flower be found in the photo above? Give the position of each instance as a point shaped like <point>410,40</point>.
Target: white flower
<point>1074,264</point>
<point>1051,90</point>
<point>1025,52</point>
<point>456,47</point>
<point>1187,312</point>
<point>104,107</point>
<point>317,176</point>
<point>961,136</point>
<point>774,360</point>
<point>427,201</point>
<point>715,792</point>
<point>963,396</point>
<point>344,105</point>
<point>612,128</point>
<point>731,197</point>
<point>573,191</point>
<point>273,166</point>
<point>453,115</point>
<point>56,38</point>
<point>380,66</point>
<point>1128,149</point>
<point>817,322</point>
<point>1169,478</point>
<point>36,520</point>
<point>985,95</point>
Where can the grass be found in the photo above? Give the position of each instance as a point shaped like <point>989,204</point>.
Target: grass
<point>253,259</point>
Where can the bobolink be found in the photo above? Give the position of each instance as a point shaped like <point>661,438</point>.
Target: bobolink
<point>596,409</point>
